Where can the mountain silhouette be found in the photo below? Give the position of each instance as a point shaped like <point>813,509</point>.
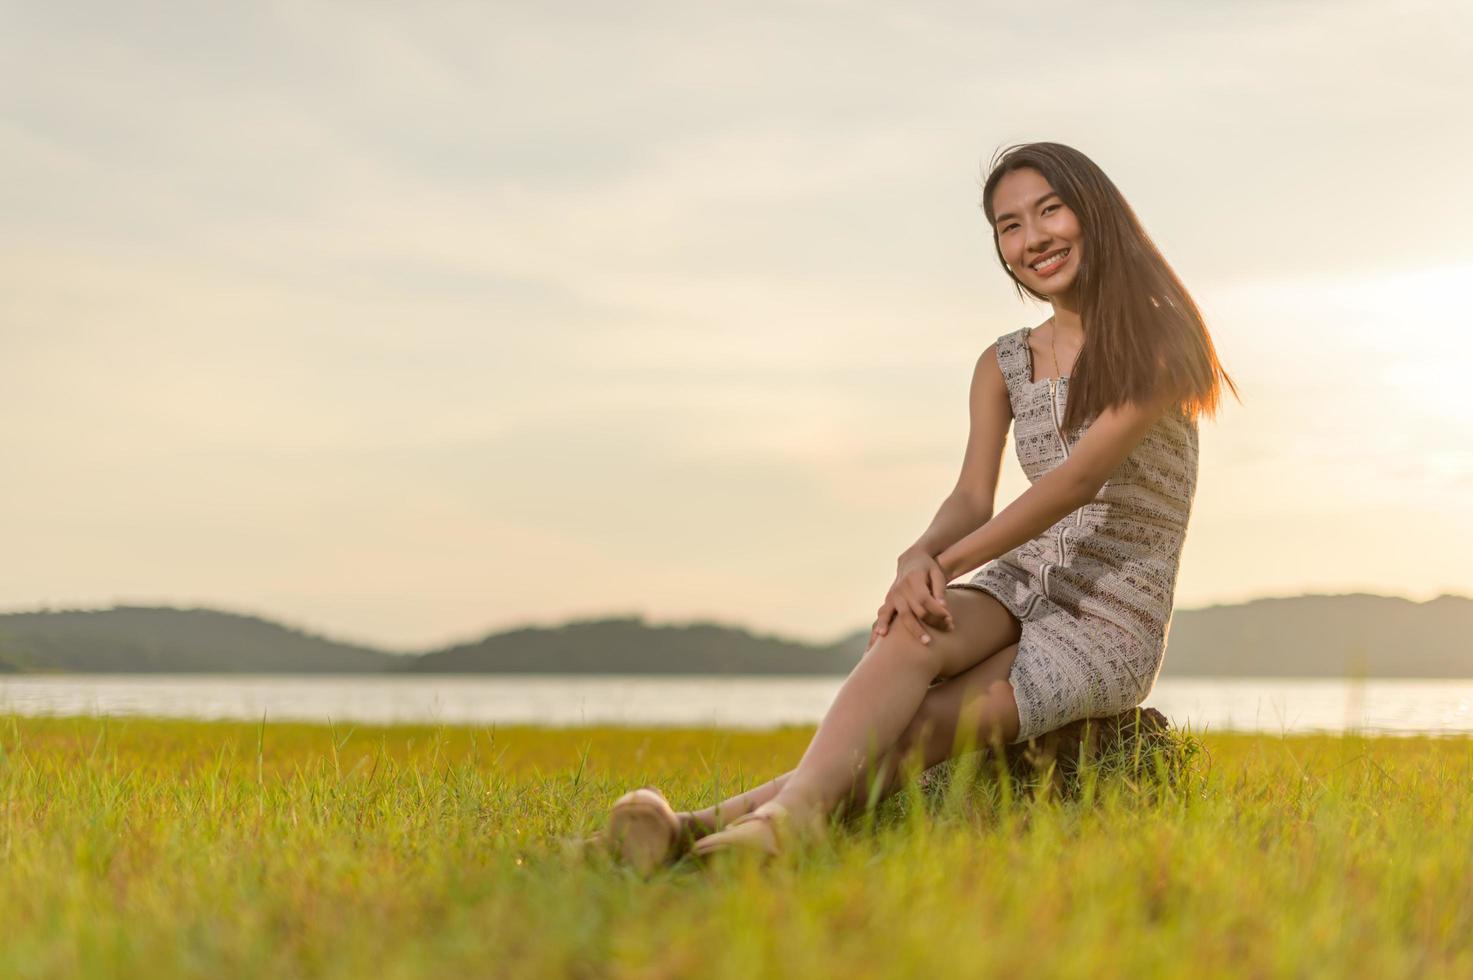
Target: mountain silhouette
<point>148,639</point>
<point>1356,634</point>
<point>630,645</point>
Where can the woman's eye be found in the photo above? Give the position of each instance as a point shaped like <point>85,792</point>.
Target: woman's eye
<point>1049,208</point>
<point>1009,226</point>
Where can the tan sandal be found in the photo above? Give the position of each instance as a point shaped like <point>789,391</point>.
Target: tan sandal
<point>766,830</point>
<point>644,831</point>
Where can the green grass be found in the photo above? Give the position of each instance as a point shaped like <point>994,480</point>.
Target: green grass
<point>162,848</point>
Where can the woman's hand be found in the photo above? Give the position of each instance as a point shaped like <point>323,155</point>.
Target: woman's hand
<point>917,596</point>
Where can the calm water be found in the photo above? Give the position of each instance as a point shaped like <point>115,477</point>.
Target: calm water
<point>1272,705</point>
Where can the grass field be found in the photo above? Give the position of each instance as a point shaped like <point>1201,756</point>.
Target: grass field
<point>163,848</point>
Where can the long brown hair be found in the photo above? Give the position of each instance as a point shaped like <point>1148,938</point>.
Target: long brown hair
<point>1141,327</point>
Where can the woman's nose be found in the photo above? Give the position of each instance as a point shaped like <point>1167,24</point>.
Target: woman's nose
<point>1038,242</point>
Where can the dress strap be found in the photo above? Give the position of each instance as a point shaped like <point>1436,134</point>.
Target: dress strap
<point>1016,363</point>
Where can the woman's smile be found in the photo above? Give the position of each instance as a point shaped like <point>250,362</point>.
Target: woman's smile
<point>1051,263</point>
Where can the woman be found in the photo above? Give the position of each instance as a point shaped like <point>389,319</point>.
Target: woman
<point>1068,615</point>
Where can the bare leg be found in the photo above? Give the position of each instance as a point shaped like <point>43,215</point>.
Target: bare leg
<point>950,719</point>
<point>701,822</point>
<point>698,823</point>
<point>876,704</point>
<point>956,715</point>
<point>878,714</point>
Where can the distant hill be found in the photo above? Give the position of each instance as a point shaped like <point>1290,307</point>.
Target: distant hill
<point>148,640</point>
<point>1357,634</point>
<point>632,646</point>
<point>1302,636</point>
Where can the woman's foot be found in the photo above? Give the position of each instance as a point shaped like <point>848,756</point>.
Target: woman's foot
<point>644,831</point>
<point>767,830</point>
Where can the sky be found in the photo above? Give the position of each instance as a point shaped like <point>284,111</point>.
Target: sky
<point>407,323</point>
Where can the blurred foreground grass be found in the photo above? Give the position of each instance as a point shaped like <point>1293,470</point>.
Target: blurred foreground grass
<point>166,848</point>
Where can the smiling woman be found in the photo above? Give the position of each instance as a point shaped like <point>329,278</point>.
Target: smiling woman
<point>1067,618</point>
<point>1042,201</point>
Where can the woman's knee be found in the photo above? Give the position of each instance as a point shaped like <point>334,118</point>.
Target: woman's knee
<point>983,625</point>
<point>903,649</point>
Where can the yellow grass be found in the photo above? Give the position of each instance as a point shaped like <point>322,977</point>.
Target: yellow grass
<point>165,848</point>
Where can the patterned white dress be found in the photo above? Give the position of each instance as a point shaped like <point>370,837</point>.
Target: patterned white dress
<point>1093,594</point>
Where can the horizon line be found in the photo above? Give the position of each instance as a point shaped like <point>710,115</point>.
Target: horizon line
<point>577,618</point>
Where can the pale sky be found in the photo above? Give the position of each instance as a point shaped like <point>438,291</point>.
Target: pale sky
<point>406,323</point>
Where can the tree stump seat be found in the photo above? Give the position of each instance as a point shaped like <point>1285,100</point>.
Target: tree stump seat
<point>1134,736</point>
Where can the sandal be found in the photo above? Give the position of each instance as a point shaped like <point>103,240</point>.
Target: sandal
<point>766,830</point>
<point>644,831</point>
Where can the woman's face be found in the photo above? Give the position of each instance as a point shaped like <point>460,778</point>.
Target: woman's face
<point>1033,227</point>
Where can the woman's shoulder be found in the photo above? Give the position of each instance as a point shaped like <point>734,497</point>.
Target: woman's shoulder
<point>1019,334</point>
<point>1010,344</point>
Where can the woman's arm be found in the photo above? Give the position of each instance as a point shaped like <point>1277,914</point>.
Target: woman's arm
<point>1073,483</point>
<point>970,503</point>
<point>960,513</point>
<point>919,587</point>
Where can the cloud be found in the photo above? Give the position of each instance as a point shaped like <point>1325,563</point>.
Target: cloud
<point>387,305</point>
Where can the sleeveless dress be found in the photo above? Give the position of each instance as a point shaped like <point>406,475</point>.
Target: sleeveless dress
<point>1093,594</point>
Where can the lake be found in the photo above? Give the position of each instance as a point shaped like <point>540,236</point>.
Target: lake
<point>1243,704</point>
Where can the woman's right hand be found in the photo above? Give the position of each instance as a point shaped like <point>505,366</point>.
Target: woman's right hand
<point>917,597</point>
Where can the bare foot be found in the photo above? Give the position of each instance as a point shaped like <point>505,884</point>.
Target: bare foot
<point>761,831</point>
